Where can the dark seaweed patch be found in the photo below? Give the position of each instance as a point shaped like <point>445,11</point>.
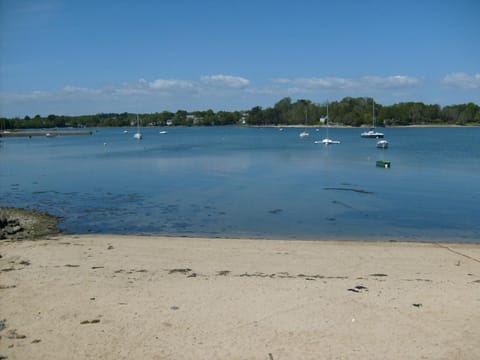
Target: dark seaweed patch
<point>361,191</point>
<point>275,211</point>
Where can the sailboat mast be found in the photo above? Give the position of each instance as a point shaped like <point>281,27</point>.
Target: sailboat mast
<point>373,112</point>
<point>327,110</point>
<point>327,119</point>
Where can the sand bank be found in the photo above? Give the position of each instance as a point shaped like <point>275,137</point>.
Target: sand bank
<point>127,297</point>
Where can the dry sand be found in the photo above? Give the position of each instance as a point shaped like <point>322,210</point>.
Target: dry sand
<point>129,297</point>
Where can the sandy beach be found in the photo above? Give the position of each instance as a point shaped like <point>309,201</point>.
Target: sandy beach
<point>141,297</point>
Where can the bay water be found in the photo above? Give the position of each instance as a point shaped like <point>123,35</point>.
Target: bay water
<point>252,182</point>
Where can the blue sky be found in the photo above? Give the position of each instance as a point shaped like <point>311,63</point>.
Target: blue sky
<point>86,57</point>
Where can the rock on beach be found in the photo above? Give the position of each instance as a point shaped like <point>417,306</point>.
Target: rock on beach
<point>22,224</point>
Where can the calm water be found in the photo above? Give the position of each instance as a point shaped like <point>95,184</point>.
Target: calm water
<point>252,182</point>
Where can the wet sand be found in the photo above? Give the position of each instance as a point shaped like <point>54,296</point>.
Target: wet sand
<point>139,297</point>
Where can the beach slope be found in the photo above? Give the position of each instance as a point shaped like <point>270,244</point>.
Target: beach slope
<point>141,297</point>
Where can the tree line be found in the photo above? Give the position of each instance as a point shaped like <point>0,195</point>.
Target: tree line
<point>348,112</point>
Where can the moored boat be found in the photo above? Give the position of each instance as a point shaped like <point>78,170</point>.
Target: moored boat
<point>304,134</point>
<point>382,144</point>
<point>138,134</point>
<point>372,133</point>
<point>383,163</point>
<point>327,140</point>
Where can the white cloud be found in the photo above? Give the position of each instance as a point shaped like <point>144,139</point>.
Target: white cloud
<point>215,86</point>
<point>223,92</point>
<point>337,83</point>
<point>228,81</point>
<point>79,91</point>
<point>165,84</point>
<point>126,95</point>
<point>462,80</point>
<point>389,82</point>
<point>316,83</point>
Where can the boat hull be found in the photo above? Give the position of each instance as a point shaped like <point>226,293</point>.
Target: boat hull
<point>382,144</point>
<point>304,135</point>
<point>327,142</point>
<point>383,163</point>
<point>372,135</point>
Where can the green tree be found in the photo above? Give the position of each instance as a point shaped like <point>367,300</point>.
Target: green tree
<point>256,116</point>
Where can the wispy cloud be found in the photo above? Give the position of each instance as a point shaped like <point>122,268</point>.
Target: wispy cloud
<point>316,83</point>
<point>462,80</point>
<point>390,82</point>
<point>27,15</point>
<point>217,91</point>
<point>218,84</point>
<point>131,94</point>
<point>174,85</point>
<point>225,81</point>
<point>339,83</point>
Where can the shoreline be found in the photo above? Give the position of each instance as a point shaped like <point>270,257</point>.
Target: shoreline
<point>333,126</point>
<point>74,131</point>
<point>26,224</point>
<point>43,133</point>
<point>152,297</point>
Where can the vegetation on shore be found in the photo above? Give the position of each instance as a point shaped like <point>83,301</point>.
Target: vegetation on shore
<point>348,112</point>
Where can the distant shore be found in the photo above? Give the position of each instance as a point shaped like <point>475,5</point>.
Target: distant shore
<point>46,133</point>
<point>148,297</point>
<point>364,127</point>
<point>73,131</point>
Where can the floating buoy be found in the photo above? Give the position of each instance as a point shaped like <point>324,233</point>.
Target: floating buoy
<point>383,163</point>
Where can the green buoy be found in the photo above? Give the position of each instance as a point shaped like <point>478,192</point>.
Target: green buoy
<point>383,163</point>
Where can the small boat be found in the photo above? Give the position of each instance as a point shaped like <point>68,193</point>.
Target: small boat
<point>382,144</point>
<point>327,140</point>
<point>138,134</point>
<point>163,132</point>
<point>372,133</point>
<point>304,134</point>
<point>383,163</point>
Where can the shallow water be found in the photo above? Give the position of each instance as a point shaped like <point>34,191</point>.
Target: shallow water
<point>252,182</point>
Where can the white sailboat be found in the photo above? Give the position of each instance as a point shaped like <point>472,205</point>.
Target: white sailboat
<point>327,140</point>
<point>372,133</point>
<point>138,134</point>
<point>304,134</point>
<point>382,144</point>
